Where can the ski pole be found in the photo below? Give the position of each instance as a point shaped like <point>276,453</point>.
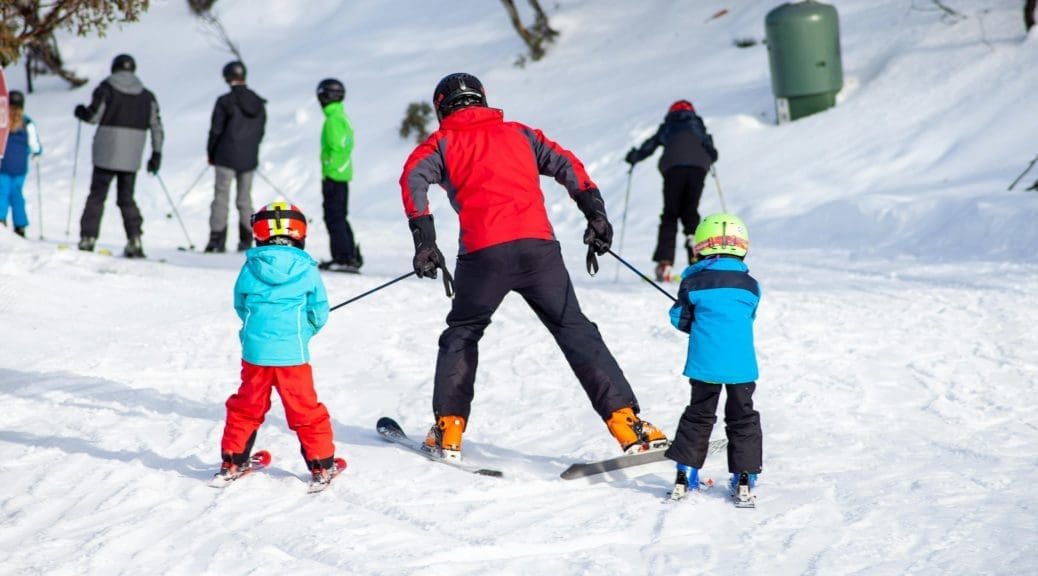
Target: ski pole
<point>190,188</point>
<point>1026,170</point>
<point>643,276</point>
<point>717,182</point>
<point>272,185</point>
<point>39,194</point>
<point>623,219</point>
<point>72,186</point>
<point>190,244</point>
<point>372,291</point>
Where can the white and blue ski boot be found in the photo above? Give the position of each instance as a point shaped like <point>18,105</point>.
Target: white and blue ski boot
<point>741,486</point>
<point>687,480</point>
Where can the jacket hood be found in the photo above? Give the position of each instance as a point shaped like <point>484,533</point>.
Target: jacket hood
<point>471,117</point>
<point>277,265</point>
<point>716,263</point>
<point>250,103</point>
<point>679,116</point>
<point>124,81</point>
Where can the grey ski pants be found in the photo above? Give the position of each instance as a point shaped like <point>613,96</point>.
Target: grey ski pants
<point>222,197</point>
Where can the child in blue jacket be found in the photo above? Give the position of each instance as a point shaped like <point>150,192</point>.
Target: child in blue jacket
<point>282,303</point>
<point>22,142</point>
<point>716,306</point>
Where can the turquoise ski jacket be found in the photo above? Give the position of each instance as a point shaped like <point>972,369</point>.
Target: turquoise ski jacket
<point>282,303</point>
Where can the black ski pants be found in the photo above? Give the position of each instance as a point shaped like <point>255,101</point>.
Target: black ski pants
<point>336,208</point>
<point>742,425</point>
<point>90,222</point>
<point>682,188</point>
<point>534,269</point>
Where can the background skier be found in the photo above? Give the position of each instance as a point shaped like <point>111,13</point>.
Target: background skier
<point>125,111</point>
<point>336,173</point>
<point>235,132</point>
<point>22,142</point>
<point>688,153</point>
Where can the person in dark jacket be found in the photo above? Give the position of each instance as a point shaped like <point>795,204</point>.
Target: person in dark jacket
<point>688,154</point>
<point>491,172</point>
<point>125,111</point>
<point>235,132</point>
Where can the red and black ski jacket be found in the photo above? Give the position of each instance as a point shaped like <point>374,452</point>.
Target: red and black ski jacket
<point>491,171</point>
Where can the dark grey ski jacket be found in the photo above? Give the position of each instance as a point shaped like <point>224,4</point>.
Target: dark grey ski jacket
<point>124,111</point>
<point>685,142</point>
<point>237,126</point>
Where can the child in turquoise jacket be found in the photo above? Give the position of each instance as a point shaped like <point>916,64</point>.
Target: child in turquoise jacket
<point>282,303</point>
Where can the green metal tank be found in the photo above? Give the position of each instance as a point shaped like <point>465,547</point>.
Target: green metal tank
<point>804,55</point>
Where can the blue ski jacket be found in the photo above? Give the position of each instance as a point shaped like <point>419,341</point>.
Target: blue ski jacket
<point>282,303</point>
<point>717,304</point>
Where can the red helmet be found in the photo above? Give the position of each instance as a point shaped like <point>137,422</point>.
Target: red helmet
<point>279,219</point>
<point>681,105</point>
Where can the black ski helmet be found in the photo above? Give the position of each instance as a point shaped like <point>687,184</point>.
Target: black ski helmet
<point>16,99</point>
<point>234,71</point>
<point>330,90</point>
<point>456,91</point>
<point>124,62</point>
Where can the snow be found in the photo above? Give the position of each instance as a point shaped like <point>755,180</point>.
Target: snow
<point>896,334</point>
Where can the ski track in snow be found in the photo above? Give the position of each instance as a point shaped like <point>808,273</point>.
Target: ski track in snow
<point>895,442</point>
<point>896,333</point>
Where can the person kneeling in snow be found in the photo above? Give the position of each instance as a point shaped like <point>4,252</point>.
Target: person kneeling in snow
<point>282,303</point>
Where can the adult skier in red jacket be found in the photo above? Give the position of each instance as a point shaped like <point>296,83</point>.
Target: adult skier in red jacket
<point>491,171</point>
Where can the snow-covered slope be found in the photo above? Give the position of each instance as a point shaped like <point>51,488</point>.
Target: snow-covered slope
<point>896,332</point>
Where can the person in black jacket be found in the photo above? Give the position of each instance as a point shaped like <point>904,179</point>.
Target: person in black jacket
<point>688,154</point>
<point>237,127</point>
<point>124,111</point>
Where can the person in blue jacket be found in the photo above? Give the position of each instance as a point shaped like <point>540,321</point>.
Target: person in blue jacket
<point>716,306</point>
<point>22,143</point>
<point>282,303</point>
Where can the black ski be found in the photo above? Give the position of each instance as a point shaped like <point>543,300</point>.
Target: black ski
<point>391,431</point>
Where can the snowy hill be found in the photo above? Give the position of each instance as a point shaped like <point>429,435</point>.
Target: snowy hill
<point>896,334</point>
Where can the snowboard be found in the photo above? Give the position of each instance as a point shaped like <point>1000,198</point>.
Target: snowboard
<point>391,431</point>
<point>585,469</point>
<point>258,461</point>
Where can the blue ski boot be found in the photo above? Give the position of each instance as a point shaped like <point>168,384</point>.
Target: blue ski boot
<point>687,479</point>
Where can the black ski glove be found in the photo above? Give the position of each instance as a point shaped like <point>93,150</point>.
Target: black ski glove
<point>632,156</point>
<point>82,112</point>
<point>427,256</point>
<point>154,162</point>
<point>599,233</point>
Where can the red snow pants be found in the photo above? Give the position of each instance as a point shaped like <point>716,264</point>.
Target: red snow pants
<point>307,417</point>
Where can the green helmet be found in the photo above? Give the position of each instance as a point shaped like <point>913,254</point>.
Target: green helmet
<point>721,234</point>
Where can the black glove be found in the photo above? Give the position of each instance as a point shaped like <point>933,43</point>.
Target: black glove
<point>632,156</point>
<point>154,162</point>
<point>82,112</point>
<point>599,233</point>
<point>713,154</point>
<point>427,256</point>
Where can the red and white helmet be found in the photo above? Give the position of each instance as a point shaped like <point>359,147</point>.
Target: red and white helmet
<point>279,219</point>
